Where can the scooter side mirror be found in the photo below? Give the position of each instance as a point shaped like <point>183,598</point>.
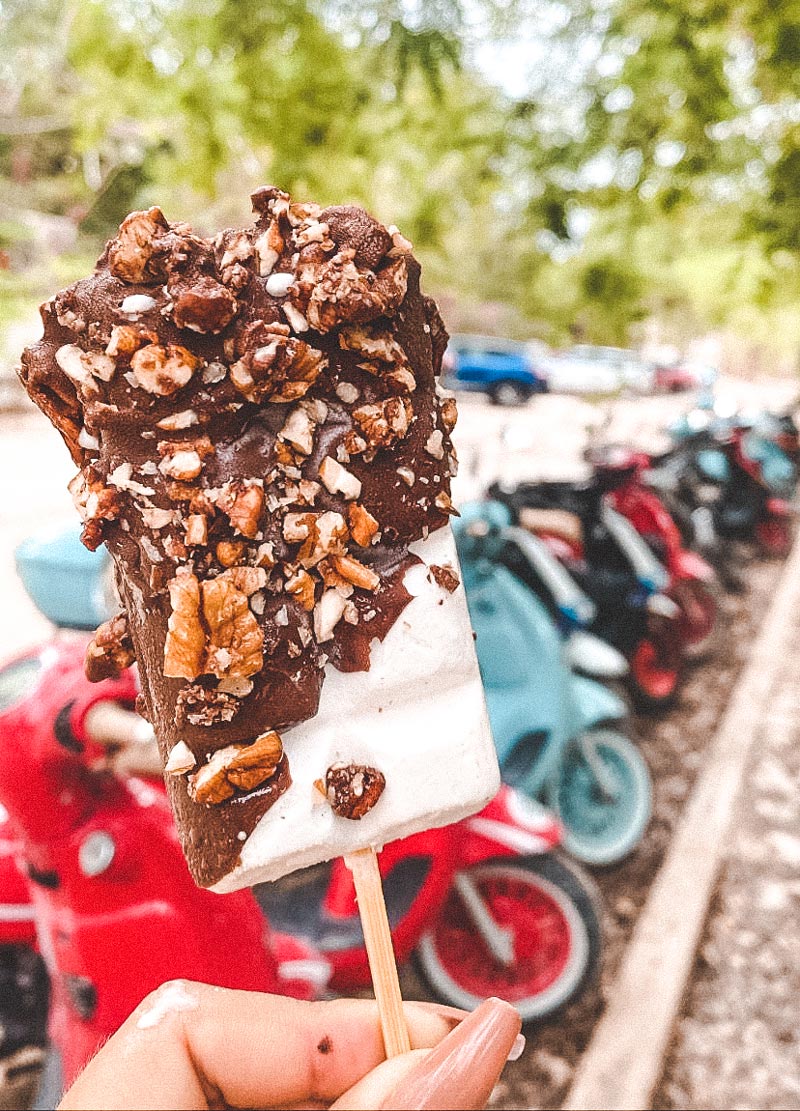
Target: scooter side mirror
<point>575,606</point>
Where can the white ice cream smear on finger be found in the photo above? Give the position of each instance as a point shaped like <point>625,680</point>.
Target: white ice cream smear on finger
<point>172,998</point>
<point>418,716</point>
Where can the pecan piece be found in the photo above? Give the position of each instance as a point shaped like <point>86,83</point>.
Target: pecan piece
<point>355,572</point>
<point>385,422</point>
<point>185,643</point>
<point>445,576</point>
<point>274,365</point>
<point>163,370</point>
<point>353,789</point>
<point>234,647</point>
<point>236,767</point>
<point>125,339</point>
<point>201,705</point>
<point>301,585</point>
<point>110,651</point>
<point>338,292</point>
<point>449,413</point>
<point>206,307</point>
<point>129,255</point>
<point>241,502</point>
<point>363,525</point>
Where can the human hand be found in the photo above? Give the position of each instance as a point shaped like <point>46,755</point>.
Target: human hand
<point>189,1046</point>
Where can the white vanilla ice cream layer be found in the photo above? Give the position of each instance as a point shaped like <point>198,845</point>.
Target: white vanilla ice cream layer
<point>418,716</point>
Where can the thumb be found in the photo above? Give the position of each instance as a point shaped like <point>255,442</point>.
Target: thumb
<point>458,1074</point>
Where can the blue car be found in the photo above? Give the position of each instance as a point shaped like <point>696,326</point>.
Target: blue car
<point>503,368</point>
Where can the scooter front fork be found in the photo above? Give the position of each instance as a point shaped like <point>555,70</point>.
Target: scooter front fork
<point>603,775</point>
<point>499,940</point>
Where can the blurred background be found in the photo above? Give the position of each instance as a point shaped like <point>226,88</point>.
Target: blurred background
<point>610,172</point>
<point>605,198</point>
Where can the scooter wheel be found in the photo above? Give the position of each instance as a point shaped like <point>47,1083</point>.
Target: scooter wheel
<point>549,907</point>
<point>774,537</point>
<point>604,798</point>
<point>654,681</point>
<point>699,620</point>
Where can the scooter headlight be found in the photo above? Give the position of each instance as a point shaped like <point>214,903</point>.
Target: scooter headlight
<point>96,853</point>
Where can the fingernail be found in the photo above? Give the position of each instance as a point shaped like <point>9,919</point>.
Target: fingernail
<point>454,1015</point>
<point>459,1074</point>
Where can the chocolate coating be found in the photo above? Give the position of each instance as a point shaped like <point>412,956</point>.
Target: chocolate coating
<point>172,374</point>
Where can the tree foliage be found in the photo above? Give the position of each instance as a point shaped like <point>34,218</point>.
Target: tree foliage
<point>649,168</point>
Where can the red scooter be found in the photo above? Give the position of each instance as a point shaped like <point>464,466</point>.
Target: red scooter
<point>24,984</point>
<point>487,905</point>
<point>692,584</point>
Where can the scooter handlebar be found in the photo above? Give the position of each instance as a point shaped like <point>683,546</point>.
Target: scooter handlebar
<point>108,723</point>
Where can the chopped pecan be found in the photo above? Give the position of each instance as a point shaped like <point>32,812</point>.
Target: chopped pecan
<point>236,767</point>
<point>321,533</point>
<point>83,367</point>
<point>234,644</point>
<point>301,585</point>
<point>355,572</point>
<point>229,552</point>
<point>206,307</point>
<point>363,525</point>
<point>181,465</point>
<point>298,430</point>
<point>96,504</point>
<point>375,343</point>
<point>445,576</point>
<point>269,248</point>
<point>449,413</point>
<point>337,480</point>
<point>201,705</point>
<point>129,255</point>
<point>185,643</point>
<point>241,502</point>
<point>181,759</point>
<point>110,651</point>
<point>274,365</point>
<point>327,613</point>
<point>163,370</point>
<point>353,789</point>
<point>444,502</point>
<point>384,422</point>
<point>434,445</point>
<point>337,292</point>
<point>125,339</point>
<point>331,578</point>
<point>246,579</point>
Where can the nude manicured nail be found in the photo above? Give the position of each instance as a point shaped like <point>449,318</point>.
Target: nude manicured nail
<point>459,1074</point>
<point>454,1015</point>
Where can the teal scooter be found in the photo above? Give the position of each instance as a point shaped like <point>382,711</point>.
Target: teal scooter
<point>555,732</point>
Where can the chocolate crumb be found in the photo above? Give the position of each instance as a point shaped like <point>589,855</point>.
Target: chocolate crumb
<point>445,576</point>
<point>353,789</point>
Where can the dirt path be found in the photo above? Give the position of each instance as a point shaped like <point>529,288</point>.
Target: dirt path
<point>736,1041</point>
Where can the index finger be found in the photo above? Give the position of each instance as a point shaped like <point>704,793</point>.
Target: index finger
<point>193,1046</point>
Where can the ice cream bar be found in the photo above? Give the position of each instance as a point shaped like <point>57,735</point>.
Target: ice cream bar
<point>264,450</point>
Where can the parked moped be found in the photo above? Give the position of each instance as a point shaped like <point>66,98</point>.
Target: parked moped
<point>614,566</point>
<point>554,730</point>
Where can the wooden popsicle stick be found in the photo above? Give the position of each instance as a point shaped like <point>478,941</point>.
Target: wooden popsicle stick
<point>380,951</point>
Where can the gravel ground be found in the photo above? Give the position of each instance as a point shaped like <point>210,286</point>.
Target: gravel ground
<point>736,1041</point>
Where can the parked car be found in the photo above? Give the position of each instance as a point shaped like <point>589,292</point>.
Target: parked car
<point>677,377</point>
<point>588,369</point>
<point>504,369</point>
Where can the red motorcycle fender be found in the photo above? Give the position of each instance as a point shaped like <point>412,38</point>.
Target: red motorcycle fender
<point>687,564</point>
<point>511,825</point>
<point>778,507</point>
